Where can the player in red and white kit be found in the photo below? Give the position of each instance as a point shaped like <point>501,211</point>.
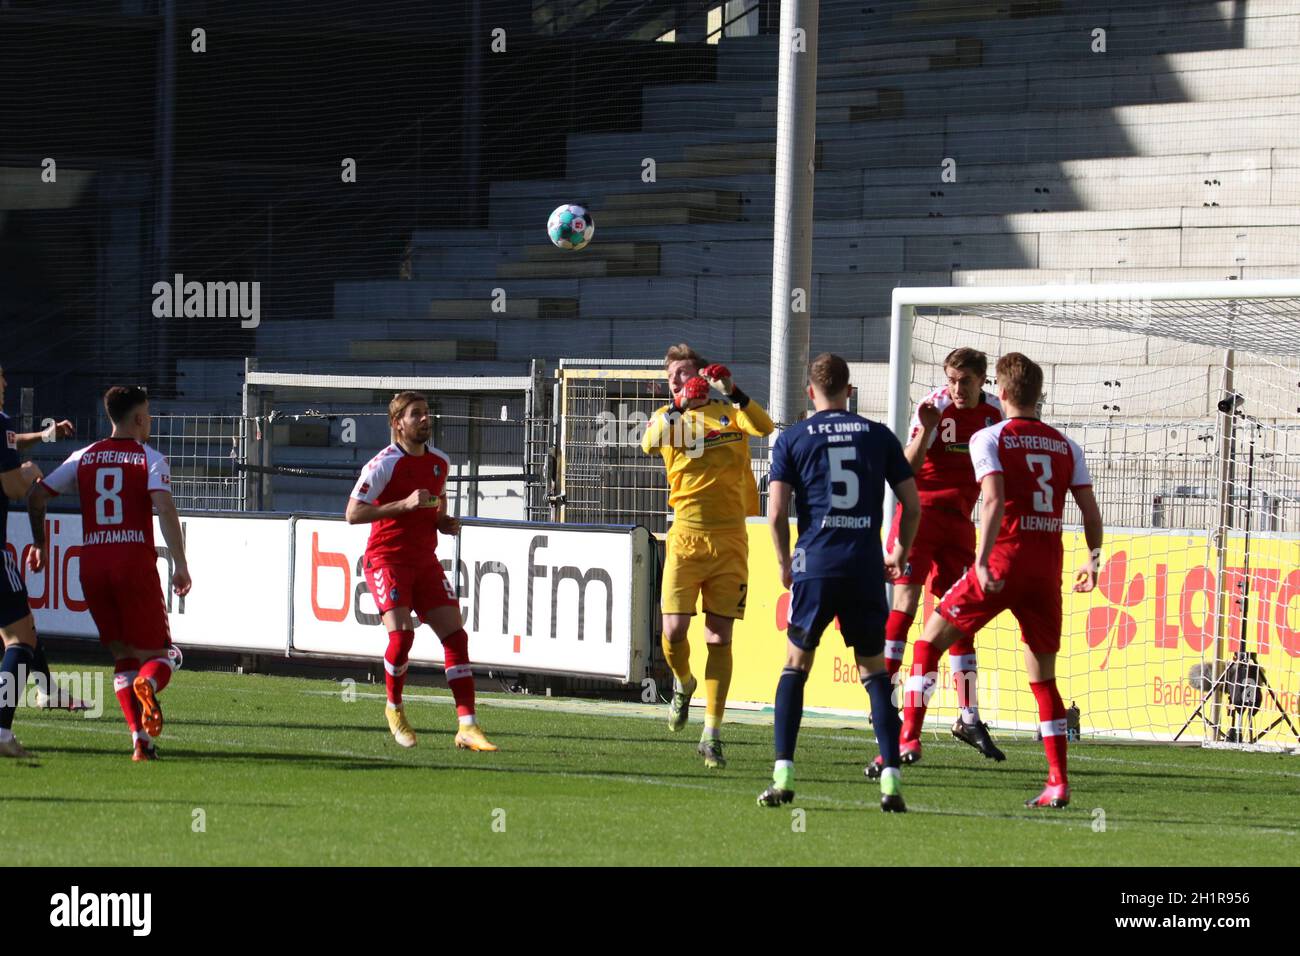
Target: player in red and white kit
<point>1025,468</point>
<point>121,480</point>
<point>401,492</point>
<point>938,449</point>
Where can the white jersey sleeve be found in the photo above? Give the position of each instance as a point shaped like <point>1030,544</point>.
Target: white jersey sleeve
<point>375,476</point>
<point>63,480</point>
<point>984,452</point>
<point>160,473</point>
<point>1080,477</point>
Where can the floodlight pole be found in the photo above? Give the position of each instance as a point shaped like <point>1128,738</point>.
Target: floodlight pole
<point>796,133</point>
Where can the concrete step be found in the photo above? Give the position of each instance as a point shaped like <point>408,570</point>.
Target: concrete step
<point>1196,20</point>
<point>576,269</point>
<point>1238,247</point>
<point>873,97</point>
<point>942,53</point>
<point>379,302</point>
<point>1019,277</point>
<point>597,192</point>
<point>930,12</point>
<point>873,105</point>
<point>837,195</point>
<point>701,168</point>
<point>857,59</point>
<point>668,215</point>
<point>1110,169</point>
<point>986,137</point>
<point>1198,26</point>
<point>621,252</point>
<point>1245,188</point>
<point>727,200</point>
<point>1229,178</point>
<point>517,308</point>
<point>754,257</point>
<point>607,260</point>
<point>423,350</point>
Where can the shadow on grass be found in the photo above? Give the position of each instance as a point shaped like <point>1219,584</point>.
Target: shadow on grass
<point>206,801</point>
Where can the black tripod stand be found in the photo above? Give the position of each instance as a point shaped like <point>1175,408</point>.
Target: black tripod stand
<point>1243,679</point>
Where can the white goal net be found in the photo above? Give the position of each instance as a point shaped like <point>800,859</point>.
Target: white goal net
<point>1186,400</point>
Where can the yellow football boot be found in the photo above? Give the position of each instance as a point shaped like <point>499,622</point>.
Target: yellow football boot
<point>470,737</point>
<point>399,725</point>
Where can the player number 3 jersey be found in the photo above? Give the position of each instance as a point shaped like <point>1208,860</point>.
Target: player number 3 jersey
<point>1039,466</point>
<point>114,479</point>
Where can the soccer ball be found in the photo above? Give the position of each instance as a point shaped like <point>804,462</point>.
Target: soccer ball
<point>570,227</point>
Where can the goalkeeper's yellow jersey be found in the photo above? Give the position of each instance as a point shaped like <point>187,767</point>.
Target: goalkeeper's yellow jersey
<point>710,482</point>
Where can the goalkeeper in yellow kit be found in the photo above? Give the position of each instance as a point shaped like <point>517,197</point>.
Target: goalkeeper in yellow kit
<point>711,489</point>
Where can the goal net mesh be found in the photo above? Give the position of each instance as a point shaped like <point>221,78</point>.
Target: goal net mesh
<point>1198,600</point>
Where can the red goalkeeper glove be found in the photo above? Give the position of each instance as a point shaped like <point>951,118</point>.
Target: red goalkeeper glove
<point>716,371</point>
<point>695,389</point>
<point>719,376</point>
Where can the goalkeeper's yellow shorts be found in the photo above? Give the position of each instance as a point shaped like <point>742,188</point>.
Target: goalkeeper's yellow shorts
<point>713,562</point>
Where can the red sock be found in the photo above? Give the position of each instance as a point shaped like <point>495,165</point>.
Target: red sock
<point>896,629</point>
<point>962,657</point>
<point>919,687</point>
<point>395,658</point>
<point>1051,716</point>
<point>158,670</point>
<point>124,672</point>
<point>460,677</point>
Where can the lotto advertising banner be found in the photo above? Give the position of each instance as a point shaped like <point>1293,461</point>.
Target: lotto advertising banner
<point>240,568</point>
<point>533,597</point>
<point>1126,651</point>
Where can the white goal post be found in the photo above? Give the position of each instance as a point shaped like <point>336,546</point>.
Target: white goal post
<point>1186,400</point>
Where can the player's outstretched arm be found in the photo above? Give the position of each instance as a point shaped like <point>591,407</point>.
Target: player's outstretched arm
<point>994,493</point>
<point>56,431</point>
<point>1093,533</point>
<point>170,522</point>
<point>753,419</point>
<point>896,560</point>
<point>778,520</point>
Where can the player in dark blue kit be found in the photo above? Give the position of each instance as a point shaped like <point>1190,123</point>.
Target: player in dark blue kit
<point>835,464</point>
<point>22,650</point>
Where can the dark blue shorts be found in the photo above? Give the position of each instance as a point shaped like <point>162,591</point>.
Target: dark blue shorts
<point>13,593</point>
<point>861,608</point>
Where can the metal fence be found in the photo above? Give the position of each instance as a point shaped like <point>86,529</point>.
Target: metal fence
<point>1162,475</point>
<point>578,443</point>
<point>205,453</point>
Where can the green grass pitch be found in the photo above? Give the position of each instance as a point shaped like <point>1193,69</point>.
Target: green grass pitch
<point>284,771</point>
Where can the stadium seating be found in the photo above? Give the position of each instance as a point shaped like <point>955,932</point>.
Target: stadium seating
<point>1175,155</point>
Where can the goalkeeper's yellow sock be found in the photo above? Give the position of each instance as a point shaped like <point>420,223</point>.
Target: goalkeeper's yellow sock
<point>717,681</point>
<point>679,659</point>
